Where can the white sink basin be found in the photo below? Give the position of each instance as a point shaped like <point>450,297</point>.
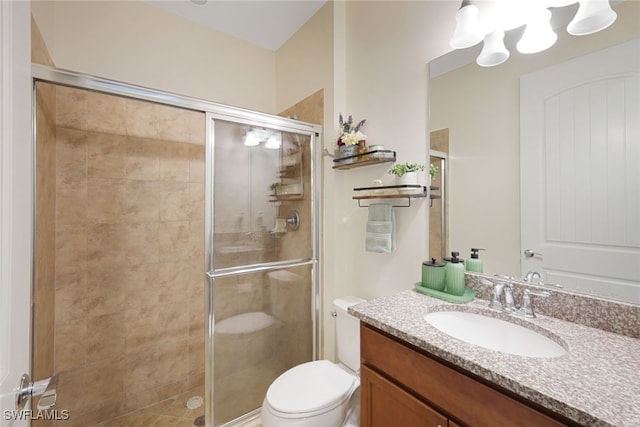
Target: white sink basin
<point>494,334</point>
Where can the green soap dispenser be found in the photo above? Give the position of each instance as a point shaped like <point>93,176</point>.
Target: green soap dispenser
<point>474,263</point>
<point>455,275</point>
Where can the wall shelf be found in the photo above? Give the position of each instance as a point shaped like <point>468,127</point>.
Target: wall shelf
<point>364,159</point>
<point>412,192</point>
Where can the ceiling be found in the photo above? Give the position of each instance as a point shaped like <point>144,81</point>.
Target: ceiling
<point>265,23</point>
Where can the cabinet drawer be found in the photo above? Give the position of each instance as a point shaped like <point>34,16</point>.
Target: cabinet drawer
<point>454,393</point>
<point>385,404</point>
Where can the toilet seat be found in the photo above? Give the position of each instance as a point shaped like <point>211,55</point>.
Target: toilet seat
<point>310,389</point>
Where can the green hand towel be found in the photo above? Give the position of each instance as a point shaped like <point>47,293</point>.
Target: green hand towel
<point>381,229</point>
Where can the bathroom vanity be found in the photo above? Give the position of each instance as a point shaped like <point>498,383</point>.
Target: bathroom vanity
<point>431,392</point>
<point>415,375</point>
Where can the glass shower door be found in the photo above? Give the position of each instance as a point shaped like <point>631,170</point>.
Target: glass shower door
<point>263,265</point>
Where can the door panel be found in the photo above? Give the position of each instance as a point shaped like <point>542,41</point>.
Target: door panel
<point>580,184</point>
<point>16,204</point>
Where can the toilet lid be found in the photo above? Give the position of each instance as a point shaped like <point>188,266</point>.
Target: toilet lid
<point>309,387</point>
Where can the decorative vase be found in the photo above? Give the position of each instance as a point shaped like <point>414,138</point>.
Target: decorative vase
<point>409,178</point>
<point>347,151</point>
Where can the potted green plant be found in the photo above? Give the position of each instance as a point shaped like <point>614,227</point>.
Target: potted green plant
<point>433,170</point>
<point>406,173</point>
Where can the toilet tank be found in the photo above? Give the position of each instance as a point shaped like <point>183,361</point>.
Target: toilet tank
<point>347,332</point>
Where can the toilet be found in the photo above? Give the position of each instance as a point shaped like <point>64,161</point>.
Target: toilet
<point>318,393</point>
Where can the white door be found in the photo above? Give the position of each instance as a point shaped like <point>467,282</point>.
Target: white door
<point>580,172</point>
<point>16,203</point>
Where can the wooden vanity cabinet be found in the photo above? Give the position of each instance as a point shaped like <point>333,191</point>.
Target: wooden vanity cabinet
<point>384,404</point>
<point>403,386</point>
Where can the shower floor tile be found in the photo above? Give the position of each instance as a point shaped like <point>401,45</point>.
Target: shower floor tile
<point>172,412</point>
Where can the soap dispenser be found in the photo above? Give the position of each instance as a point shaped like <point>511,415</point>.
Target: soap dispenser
<point>455,275</point>
<point>474,263</point>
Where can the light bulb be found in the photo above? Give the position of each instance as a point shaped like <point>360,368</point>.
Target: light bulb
<point>493,52</point>
<point>538,34</point>
<point>467,32</point>
<point>592,16</point>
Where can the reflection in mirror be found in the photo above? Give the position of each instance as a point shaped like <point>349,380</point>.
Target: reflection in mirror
<point>481,110</point>
<point>438,225</point>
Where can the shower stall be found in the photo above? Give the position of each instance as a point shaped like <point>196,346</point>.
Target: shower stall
<point>175,263</point>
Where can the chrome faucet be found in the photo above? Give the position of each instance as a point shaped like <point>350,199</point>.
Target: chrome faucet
<point>531,276</point>
<point>525,309</point>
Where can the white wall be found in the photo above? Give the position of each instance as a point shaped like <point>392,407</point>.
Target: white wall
<point>481,107</point>
<point>379,72</point>
<point>304,64</point>
<point>136,43</point>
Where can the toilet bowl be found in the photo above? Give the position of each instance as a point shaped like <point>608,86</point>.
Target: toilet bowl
<point>318,393</point>
<point>313,394</point>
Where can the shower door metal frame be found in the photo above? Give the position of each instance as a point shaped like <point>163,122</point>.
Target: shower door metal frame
<point>275,123</point>
<point>212,111</point>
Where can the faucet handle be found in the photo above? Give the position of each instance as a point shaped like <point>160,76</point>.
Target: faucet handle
<point>527,306</point>
<point>498,288</point>
<point>509,302</point>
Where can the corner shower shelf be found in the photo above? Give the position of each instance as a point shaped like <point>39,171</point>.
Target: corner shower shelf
<point>413,192</point>
<point>364,159</point>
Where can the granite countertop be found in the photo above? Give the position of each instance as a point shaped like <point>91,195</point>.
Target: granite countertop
<point>597,383</point>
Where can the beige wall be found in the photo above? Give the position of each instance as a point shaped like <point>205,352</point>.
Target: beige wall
<point>481,109</point>
<point>133,42</point>
<point>388,46</point>
<point>305,65</point>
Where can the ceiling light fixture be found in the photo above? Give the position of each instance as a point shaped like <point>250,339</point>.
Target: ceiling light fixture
<point>493,51</point>
<point>274,141</point>
<point>251,138</point>
<point>538,34</point>
<point>487,20</point>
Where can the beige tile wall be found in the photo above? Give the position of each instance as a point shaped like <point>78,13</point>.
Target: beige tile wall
<point>311,110</point>
<point>129,318</point>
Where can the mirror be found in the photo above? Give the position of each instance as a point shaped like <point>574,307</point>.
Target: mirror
<point>480,108</point>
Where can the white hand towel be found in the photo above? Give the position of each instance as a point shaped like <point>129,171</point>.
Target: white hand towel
<point>381,229</point>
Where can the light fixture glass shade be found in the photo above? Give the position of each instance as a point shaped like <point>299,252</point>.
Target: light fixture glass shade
<point>468,31</point>
<point>559,3</point>
<point>251,139</point>
<point>592,16</point>
<point>274,141</point>
<point>538,34</point>
<point>493,52</point>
